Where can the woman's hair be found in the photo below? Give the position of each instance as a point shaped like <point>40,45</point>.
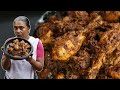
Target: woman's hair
<point>24,19</point>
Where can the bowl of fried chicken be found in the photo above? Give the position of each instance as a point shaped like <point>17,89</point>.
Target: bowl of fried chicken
<point>17,48</point>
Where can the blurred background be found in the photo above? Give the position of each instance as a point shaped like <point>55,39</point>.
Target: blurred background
<point>6,26</point>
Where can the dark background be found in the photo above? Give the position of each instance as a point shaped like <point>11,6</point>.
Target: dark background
<point>6,26</point>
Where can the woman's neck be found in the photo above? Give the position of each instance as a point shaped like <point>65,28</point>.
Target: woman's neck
<point>27,37</point>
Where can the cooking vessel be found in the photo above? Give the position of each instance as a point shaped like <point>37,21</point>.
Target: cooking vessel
<point>6,46</point>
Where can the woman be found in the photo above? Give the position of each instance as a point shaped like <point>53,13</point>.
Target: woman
<point>26,68</point>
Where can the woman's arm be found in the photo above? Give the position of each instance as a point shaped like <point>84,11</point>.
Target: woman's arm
<point>5,62</point>
<point>39,63</point>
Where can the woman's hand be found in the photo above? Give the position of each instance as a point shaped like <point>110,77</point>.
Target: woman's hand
<point>29,58</point>
<point>5,62</point>
<point>37,65</point>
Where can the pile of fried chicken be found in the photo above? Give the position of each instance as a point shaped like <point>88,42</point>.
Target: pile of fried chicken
<point>81,45</point>
<point>18,48</point>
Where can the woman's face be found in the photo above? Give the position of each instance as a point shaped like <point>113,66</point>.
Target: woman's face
<point>21,29</point>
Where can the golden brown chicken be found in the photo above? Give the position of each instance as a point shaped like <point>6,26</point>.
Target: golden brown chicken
<point>45,34</point>
<point>67,45</point>
<point>111,16</point>
<point>108,42</point>
<point>60,76</point>
<point>114,72</point>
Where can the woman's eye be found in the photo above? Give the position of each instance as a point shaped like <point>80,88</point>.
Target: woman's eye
<point>15,28</point>
<point>21,28</point>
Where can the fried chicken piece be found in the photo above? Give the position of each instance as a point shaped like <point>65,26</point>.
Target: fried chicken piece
<point>45,33</point>
<point>73,75</point>
<point>82,59</point>
<point>81,17</point>
<point>111,16</point>
<point>114,58</point>
<point>108,42</point>
<point>67,45</point>
<point>96,22</point>
<point>45,74</point>
<point>94,14</point>
<point>96,65</point>
<point>60,76</point>
<point>10,49</point>
<point>114,72</point>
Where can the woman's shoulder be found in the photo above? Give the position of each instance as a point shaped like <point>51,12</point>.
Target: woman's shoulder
<point>36,39</point>
<point>33,38</point>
